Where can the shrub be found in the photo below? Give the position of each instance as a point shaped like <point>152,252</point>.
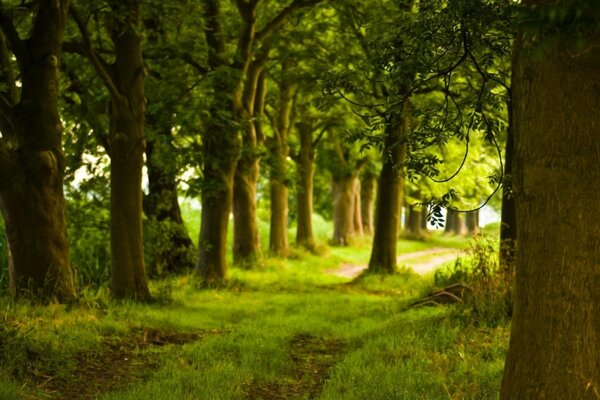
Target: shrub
<point>489,301</point>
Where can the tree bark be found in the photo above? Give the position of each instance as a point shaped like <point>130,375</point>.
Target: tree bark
<point>31,187</point>
<point>367,194</point>
<point>451,222</point>
<point>343,209</point>
<point>357,223</point>
<point>278,156</point>
<point>304,187</point>
<point>127,145</point>
<point>246,238</point>
<point>413,221</point>
<point>472,222</point>
<point>554,350</point>
<point>424,222</point>
<point>390,190</point>
<point>217,195</point>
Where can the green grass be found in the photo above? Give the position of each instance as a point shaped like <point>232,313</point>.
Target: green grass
<point>263,335</point>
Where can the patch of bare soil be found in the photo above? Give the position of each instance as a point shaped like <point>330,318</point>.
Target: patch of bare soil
<point>312,357</point>
<point>351,271</point>
<point>116,364</point>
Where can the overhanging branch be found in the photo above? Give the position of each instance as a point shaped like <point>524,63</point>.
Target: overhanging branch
<point>99,64</point>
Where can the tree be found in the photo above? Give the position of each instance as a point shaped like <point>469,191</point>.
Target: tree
<point>124,80</point>
<point>554,351</point>
<point>31,156</point>
<point>278,152</point>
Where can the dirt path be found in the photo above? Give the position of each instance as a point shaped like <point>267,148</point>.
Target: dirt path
<point>421,262</point>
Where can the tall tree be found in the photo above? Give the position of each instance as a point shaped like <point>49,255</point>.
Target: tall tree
<point>554,348</point>
<point>124,80</point>
<point>390,189</point>
<point>305,159</point>
<point>233,90</point>
<point>31,156</point>
<point>278,152</point>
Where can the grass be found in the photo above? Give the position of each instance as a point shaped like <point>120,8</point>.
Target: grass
<point>284,330</point>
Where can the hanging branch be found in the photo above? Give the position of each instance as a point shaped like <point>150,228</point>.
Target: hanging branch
<point>100,65</point>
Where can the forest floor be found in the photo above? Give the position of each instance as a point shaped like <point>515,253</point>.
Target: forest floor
<point>286,330</point>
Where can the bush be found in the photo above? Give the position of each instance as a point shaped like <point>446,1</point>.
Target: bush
<point>89,239</point>
<point>489,301</point>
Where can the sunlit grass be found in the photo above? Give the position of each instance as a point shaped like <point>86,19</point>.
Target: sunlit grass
<point>388,350</point>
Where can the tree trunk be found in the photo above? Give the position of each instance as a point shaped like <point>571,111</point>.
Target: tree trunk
<point>278,240</point>
<point>217,196</point>
<point>343,210</point>
<point>458,225</point>
<point>413,221</point>
<point>554,350</point>
<point>389,194</point>
<point>357,216</point>
<point>31,182</point>
<point>367,194</point>
<point>304,187</point>
<point>451,223</point>
<point>472,222</point>
<point>127,144</point>
<point>162,205</point>
<point>424,222</point>
<point>246,240</point>
<point>278,155</point>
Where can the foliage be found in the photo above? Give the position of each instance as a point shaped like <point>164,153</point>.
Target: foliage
<point>89,238</point>
<point>490,300</point>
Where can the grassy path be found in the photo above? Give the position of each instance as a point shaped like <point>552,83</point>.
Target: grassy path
<point>287,330</point>
<point>422,262</point>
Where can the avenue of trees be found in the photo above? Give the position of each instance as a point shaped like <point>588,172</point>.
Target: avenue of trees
<point>272,111</point>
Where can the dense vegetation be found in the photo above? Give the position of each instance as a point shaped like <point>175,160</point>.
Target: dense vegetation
<point>190,190</point>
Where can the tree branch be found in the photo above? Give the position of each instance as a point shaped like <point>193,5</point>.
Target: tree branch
<point>100,65</point>
<point>280,18</point>
<point>214,33</point>
<point>17,45</point>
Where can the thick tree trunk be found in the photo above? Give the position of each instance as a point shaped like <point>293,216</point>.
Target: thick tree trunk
<point>31,193</point>
<point>162,205</point>
<point>451,222</point>
<point>127,144</point>
<point>367,194</point>
<point>458,226</point>
<point>554,350</point>
<point>304,188</point>
<point>246,239</point>
<point>389,194</point>
<point>217,196</point>
<point>343,210</point>
<point>508,219</point>
<point>472,222</point>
